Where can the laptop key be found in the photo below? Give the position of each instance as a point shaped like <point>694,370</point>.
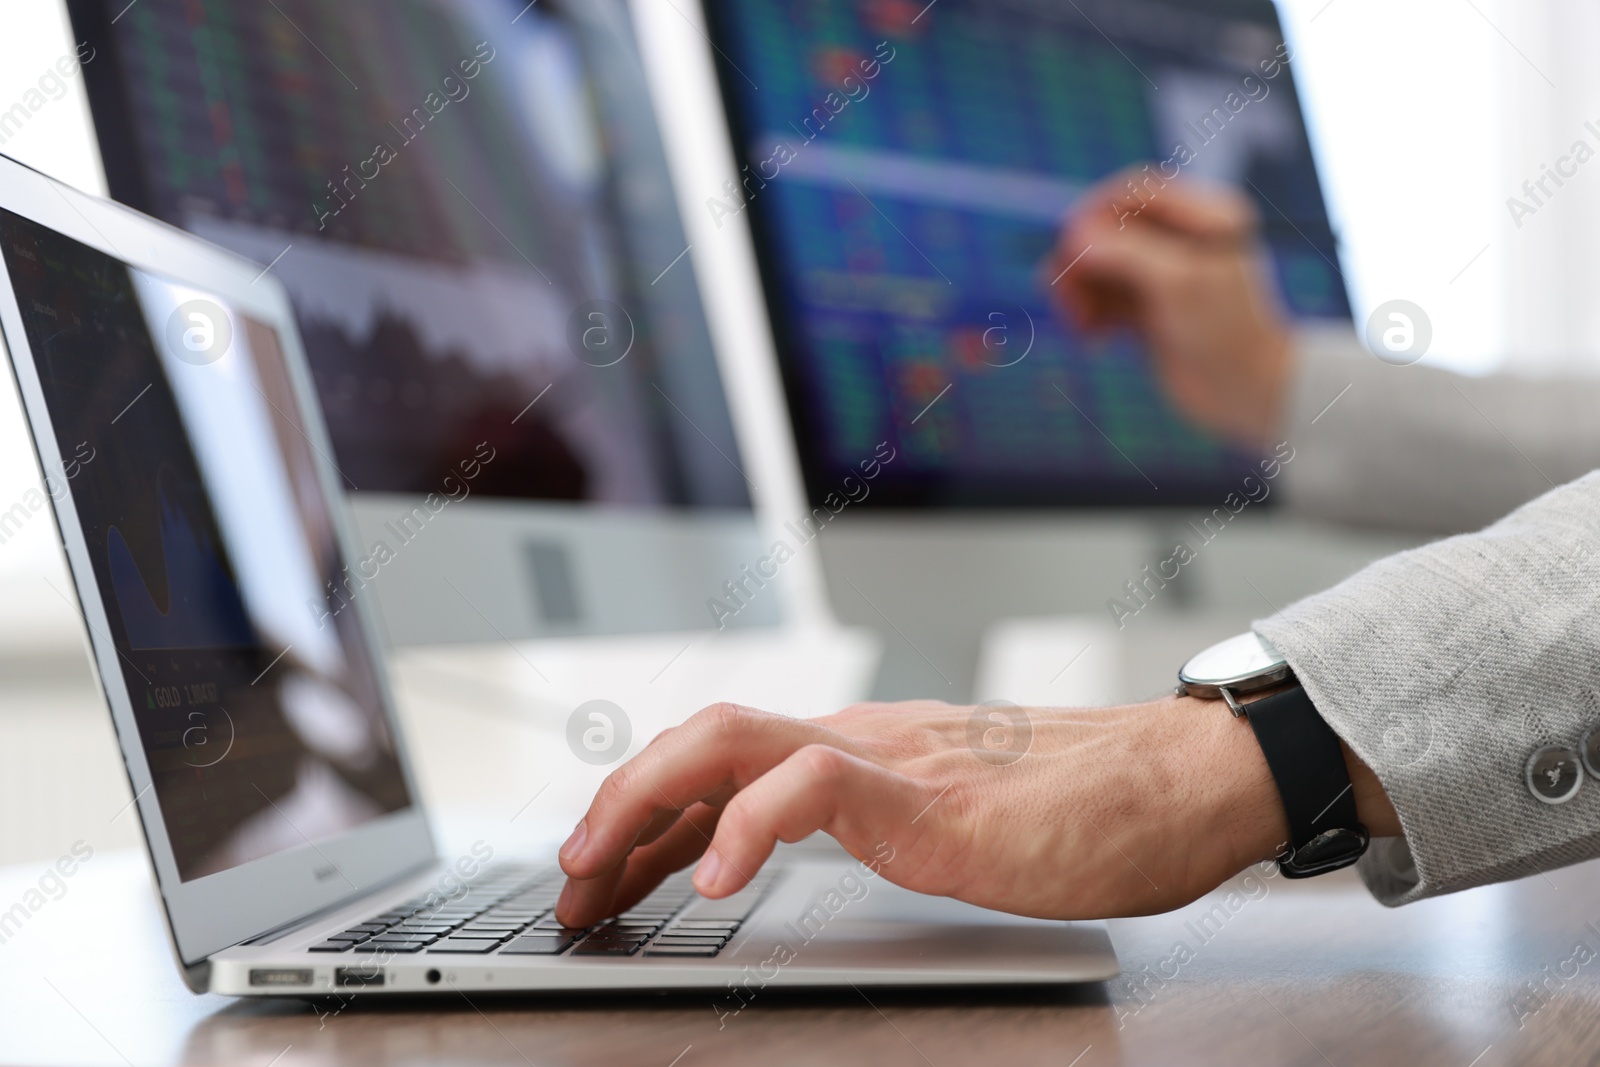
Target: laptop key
<point>405,933</point>
<point>736,907</point>
<point>464,944</point>
<point>702,951</point>
<point>668,939</point>
<point>399,948</point>
<point>732,909</point>
<point>591,947</point>
<point>330,946</point>
<point>530,945</point>
<point>616,935</point>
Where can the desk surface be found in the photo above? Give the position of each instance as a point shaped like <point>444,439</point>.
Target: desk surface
<point>1309,973</point>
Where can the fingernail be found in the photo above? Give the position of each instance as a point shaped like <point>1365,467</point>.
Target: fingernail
<point>707,874</point>
<point>574,845</point>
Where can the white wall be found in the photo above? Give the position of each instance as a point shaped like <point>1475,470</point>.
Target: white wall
<point>1554,318</point>
<point>1431,114</point>
<point>1407,113</point>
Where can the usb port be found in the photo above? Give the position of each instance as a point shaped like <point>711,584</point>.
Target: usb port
<point>363,976</point>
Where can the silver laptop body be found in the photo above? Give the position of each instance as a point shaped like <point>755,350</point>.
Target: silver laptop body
<point>186,460</point>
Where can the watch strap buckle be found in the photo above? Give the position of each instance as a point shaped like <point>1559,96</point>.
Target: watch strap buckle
<point>1330,850</point>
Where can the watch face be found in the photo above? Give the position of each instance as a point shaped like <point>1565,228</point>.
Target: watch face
<point>1244,662</point>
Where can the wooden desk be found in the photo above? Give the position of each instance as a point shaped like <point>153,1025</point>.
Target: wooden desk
<point>1310,973</point>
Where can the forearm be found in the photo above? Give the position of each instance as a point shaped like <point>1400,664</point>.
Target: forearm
<point>1423,449</point>
<point>1444,668</point>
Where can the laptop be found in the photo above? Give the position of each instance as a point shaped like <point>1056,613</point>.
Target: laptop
<point>199,504</point>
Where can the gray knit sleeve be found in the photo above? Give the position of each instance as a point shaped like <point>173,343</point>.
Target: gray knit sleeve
<point>1418,448</point>
<point>1444,668</point>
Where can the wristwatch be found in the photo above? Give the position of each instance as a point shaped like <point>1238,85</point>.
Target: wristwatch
<point>1302,751</point>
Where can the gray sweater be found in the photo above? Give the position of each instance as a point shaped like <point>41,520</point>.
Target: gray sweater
<point>1446,666</point>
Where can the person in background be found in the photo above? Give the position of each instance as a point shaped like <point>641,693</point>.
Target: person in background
<point>1403,447</point>
<point>1460,680</point>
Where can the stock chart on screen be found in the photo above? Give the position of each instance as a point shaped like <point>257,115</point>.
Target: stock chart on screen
<point>904,167</point>
<point>451,190</point>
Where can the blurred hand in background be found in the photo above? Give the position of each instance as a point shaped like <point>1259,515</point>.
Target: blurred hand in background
<point>1181,264</point>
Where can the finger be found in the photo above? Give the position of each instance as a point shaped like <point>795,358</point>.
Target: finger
<point>659,824</point>
<point>583,901</point>
<point>581,896</point>
<point>718,751</point>
<point>1091,303</point>
<point>594,895</point>
<point>1111,280</point>
<point>1096,304</point>
<point>1197,209</point>
<point>859,803</point>
<point>686,843</point>
<point>666,820</point>
<point>687,839</point>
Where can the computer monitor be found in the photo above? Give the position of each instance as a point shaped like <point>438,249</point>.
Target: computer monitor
<point>904,168</point>
<point>469,204</point>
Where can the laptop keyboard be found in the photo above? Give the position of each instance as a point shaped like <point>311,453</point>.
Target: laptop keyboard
<point>512,913</point>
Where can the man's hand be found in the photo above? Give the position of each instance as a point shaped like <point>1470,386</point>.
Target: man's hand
<point>1117,811</point>
<point>1181,265</point>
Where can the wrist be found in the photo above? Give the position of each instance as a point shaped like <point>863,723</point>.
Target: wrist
<point>1372,801</point>
<point>1232,800</point>
<point>1240,797</point>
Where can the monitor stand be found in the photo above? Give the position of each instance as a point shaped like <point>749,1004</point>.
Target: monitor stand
<point>932,587</point>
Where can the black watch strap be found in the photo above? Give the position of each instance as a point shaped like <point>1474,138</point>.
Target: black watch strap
<point>1307,762</point>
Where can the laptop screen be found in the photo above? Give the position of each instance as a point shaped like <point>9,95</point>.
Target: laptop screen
<point>187,458</point>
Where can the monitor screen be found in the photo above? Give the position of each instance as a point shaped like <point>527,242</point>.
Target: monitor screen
<point>214,551</point>
<point>904,166</point>
<point>468,202</point>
